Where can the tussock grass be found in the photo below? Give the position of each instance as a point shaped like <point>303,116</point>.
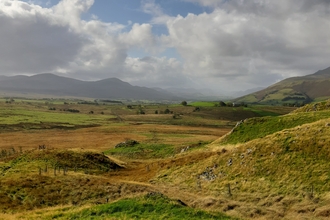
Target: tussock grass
<point>143,151</point>
<point>46,178</point>
<point>64,159</point>
<point>285,173</point>
<point>151,206</point>
<point>92,178</point>
<point>319,106</point>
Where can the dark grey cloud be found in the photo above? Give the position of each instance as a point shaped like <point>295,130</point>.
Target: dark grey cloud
<point>33,44</point>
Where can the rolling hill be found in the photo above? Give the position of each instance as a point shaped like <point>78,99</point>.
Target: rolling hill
<point>295,90</point>
<point>50,84</point>
<point>265,168</point>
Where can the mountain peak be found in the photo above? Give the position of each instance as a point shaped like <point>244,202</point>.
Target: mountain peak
<point>51,84</point>
<point>323,72</point>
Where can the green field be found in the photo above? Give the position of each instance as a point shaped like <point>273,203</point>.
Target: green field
<point>11,116</point>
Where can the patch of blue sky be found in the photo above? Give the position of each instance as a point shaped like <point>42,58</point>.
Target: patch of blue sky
<point>171,52</point>
<point>128,12</point>
<point>43,3</point>
<point>179,7</point>
<point>119,11</point>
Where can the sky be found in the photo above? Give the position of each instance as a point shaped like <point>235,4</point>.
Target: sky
<point>210,45</point>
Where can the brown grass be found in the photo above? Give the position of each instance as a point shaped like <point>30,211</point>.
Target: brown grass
<point>253,196</point>
<point>103,138</point>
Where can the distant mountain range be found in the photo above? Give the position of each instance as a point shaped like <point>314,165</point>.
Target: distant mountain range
<point>53,85</point>
<point>303,89</point>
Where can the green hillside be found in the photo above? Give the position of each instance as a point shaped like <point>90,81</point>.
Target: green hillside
<point>294,91</point>
<point>277,165</point>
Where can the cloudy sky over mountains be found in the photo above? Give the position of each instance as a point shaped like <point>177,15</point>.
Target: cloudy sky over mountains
<point>215,44</point>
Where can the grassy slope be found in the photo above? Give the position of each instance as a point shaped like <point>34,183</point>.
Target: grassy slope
<point>23,192</point>
<point>282,170</point>
<point>260,127</point>
<point>28,180</point>
<point>85,182</point>
<point>287,162</point>
<point>145,207</point>
<point>293,90</point>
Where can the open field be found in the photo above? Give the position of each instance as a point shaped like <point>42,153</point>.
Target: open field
<point>60,164</point>
<point>29,123</point>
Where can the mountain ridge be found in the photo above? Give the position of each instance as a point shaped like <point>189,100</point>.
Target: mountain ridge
<point>294,90</point>
<point>51,84</point>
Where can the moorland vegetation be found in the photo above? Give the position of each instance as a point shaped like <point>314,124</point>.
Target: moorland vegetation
<point>217,162</point>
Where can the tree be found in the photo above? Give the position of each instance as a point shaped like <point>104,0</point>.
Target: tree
<point>141,111</point>
<point>184,103</point>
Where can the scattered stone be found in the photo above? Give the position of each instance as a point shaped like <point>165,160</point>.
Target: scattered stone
<point>230,162</point>
<point>208,174</point>
<point>239,123</point>
<point>127,143</point>
<point>185,149</point>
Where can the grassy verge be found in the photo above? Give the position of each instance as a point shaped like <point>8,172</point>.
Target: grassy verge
<point>143,151</point>
<point>151,206</point>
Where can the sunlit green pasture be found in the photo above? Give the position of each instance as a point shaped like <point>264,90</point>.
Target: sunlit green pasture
<point>203,104</point>
<point>11,116</point>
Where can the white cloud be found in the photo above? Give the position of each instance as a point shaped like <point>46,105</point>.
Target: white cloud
<point>35,39</point>
<point>153,71</point>
<point>255,42</point>
<point>240,44</point>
